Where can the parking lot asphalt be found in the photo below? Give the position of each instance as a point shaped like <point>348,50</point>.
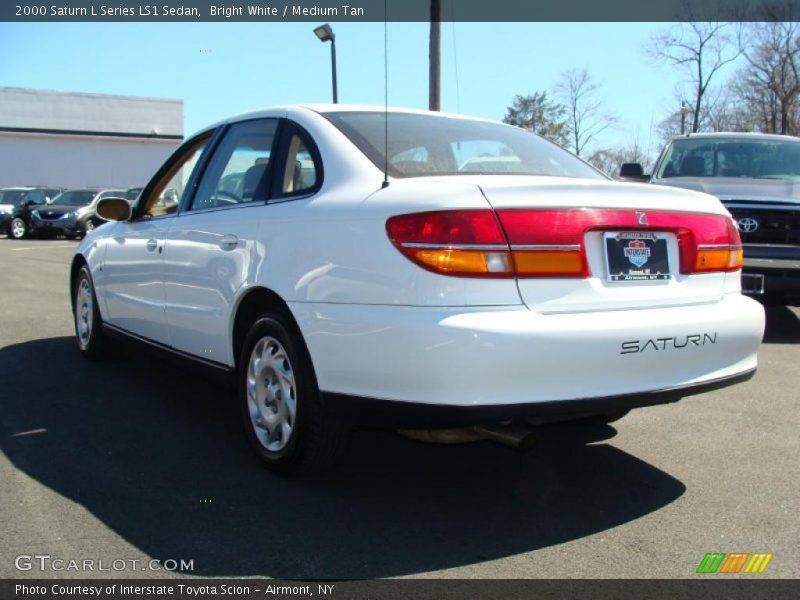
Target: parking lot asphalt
<point>133,459</point>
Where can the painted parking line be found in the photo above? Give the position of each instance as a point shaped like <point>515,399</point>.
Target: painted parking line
<point>44,247</point>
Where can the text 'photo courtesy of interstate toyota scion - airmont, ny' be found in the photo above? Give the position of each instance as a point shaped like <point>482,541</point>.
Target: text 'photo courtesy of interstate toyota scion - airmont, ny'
<point>463,275</point>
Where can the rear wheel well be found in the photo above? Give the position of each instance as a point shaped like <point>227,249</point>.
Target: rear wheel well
<point>255,303</point>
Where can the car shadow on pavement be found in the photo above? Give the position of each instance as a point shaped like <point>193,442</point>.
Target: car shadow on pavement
<point>783,325</point>
<point>158,456</point>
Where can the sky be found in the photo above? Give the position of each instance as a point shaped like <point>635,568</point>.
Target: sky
<point>222,69</point>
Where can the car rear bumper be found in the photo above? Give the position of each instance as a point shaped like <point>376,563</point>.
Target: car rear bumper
<point>497,357</point>
<point>416,415</point>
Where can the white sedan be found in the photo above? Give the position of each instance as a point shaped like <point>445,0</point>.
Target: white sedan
<point>466,273</point>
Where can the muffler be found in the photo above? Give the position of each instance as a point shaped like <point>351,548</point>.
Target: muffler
<point>514,435</point>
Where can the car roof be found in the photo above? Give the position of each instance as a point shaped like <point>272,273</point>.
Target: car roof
<point>284,110</point>
<point>727,135</point>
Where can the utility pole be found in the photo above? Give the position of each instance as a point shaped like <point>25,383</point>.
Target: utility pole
<point>434,57</point>
<point>684,110</point>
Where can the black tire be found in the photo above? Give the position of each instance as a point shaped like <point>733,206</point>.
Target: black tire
<point>316,441</point>
<point>92,346</point>
<point>17,229</point>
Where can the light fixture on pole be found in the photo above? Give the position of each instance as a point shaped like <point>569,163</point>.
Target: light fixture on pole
<point>325,34</point>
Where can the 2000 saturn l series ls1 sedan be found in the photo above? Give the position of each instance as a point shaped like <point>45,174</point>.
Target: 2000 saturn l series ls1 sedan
<point>491,278</point>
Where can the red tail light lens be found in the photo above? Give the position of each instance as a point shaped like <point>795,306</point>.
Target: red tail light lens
<point>468,243</point>
<point>550,242</point>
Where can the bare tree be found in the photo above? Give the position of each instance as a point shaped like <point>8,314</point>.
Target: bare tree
<point>540,115</point>
<point>585,115</point>
<point>770,84</point>
<point>609,160</point>
<point>701,48</point>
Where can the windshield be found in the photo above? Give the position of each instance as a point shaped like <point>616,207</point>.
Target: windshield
<point>421,145</point>
<point>76,198</point>
<point>731,157</point>
<point>12,196</point>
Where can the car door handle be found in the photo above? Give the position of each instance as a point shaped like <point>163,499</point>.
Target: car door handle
<point>152,245</point>
<point>228,242</point>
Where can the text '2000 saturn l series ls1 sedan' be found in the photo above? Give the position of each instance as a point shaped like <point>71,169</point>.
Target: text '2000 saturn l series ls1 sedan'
<point>488,278</point>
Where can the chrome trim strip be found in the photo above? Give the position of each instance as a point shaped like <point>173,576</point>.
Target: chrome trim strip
<point>754,198</point>
<point>454,246</point>
<point>718,246</point>
<point>773,263</point>
<point>759,206</point>
<point>497,247</point>
<point>554,247</point>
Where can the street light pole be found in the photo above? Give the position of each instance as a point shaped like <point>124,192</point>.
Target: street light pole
<point>325,34</point>
<point>333,71</point>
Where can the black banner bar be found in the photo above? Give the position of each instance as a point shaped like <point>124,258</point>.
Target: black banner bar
<point>708,587</point>
<point>398,10</point>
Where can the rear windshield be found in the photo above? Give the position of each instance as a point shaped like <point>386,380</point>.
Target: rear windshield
<point>422,145</point>
<point>76,198</point>
<point>731,157</point>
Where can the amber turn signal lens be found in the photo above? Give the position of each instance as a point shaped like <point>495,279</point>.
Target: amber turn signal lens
<point>548,263</point>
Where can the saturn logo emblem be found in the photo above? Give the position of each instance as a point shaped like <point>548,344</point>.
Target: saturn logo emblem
<point>747,224</point>
<point>641,218</point>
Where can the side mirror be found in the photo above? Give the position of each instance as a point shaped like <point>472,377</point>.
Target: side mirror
<point>633,171</point>
<point>113,209</point>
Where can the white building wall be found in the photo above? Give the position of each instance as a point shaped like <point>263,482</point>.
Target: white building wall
<point>80,161</point>
<point>84,140</point>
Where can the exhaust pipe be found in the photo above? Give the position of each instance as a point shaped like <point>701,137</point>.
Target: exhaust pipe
<point>508,434</point>
<point>513,435</point>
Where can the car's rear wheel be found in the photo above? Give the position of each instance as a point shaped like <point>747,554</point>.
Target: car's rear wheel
<point>281,404</point>
<point>88,227</point>
<point>17,228</point>
<point>88,323</point>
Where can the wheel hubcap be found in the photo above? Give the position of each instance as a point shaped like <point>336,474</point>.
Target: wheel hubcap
<point>17,228</point>
<point>84,312</point>
<point>271,394</point>
<point>89,226</point>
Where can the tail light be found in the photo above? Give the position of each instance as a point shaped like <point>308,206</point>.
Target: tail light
<point>457,242</point>
<point>550,242</point>
<point>725,256</point>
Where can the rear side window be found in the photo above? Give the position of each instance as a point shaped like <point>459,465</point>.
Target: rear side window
<point>239,170</point>
<point>300,171</point>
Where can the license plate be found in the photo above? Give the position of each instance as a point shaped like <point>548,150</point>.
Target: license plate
<point>636,256</point>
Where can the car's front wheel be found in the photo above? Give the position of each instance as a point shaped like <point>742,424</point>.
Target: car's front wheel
<point>88,227</point>
<point>17,228</point>
<point>88,324</point>
<point>281,404</point>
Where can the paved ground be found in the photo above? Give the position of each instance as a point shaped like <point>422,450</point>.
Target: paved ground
<point>132,460</point>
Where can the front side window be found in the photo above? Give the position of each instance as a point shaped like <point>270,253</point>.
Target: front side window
<point>166,195</point>
<point>731,157</point>
<point>35,196</point>
<point>239,170</point>
<point>423,145</point>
